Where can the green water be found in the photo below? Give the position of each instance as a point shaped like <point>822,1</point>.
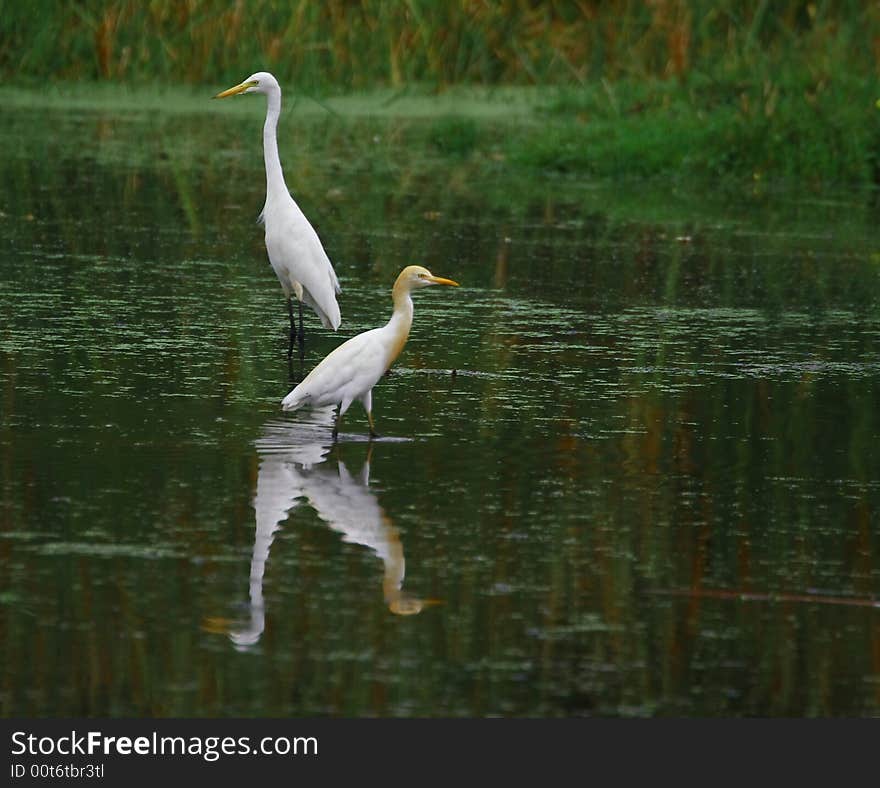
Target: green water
<point>651,486</point>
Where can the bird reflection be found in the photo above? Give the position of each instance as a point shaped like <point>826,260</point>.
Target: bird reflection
<point>292,473</point>
<point>348,506</point>
<point>284,453</point>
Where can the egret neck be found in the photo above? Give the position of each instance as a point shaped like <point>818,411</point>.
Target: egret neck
<point>401,319</point>
<point>275,185</point>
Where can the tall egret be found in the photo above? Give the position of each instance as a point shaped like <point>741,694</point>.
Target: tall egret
<point>350,371</point>
<point>295,251</point>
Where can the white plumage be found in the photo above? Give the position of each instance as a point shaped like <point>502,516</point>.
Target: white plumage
<point>350,371</point>
<point>295,251</point>
<point>299,260</point>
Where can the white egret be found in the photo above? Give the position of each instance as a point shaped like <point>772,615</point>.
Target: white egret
<point>295,251</point>
<point>350,371</point>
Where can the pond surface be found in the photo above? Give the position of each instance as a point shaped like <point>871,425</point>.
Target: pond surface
<point>650,487</point>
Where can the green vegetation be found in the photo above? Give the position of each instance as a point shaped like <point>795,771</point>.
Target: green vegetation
<point>705,130</point>
<point>704,89</point>
<point>356,45</point>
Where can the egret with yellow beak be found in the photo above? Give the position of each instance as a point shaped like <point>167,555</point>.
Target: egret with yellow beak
<point>295,251</point>
<point>350,371</point>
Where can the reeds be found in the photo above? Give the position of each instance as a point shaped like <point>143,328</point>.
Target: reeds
<point>355,45</point>
<point>751,89</point>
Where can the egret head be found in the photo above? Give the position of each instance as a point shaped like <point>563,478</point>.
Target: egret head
<point>261,82</point>
<point>415,276</point>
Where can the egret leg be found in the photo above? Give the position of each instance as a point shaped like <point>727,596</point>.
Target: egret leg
<point>295,376</point>
<point>302,333</point>
<point>292,328</point>
<point>367,402</point>
<point>337,422</point>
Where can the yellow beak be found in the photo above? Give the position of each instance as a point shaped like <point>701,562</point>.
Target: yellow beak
<point>236,90</point>
<point>439,280</point>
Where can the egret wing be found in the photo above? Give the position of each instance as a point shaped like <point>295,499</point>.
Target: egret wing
<point>296,253</point>
<point>344,375</point>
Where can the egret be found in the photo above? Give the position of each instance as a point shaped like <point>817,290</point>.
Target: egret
<point>295,251</point>
<point>350,371</point>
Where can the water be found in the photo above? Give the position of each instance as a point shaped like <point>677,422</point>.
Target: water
<point>629,468</point>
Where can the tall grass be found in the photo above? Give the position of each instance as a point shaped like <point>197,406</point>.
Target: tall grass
<point>748,89</point>
<point>358,44</point>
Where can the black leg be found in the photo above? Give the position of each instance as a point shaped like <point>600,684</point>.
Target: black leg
<point>292,328</point>
<point>337,422</point>
<point>295,376</point>
<point>302,333</point>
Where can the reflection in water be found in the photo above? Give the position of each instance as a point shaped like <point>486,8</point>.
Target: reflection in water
<point>347,505</point>
<point>285,450</point>
<point>288,453</point>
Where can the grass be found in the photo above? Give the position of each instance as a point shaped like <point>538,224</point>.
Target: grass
<point>340,44</point>
<point>646,130</point>
<point>738,91</point>
<point>783,130</point>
